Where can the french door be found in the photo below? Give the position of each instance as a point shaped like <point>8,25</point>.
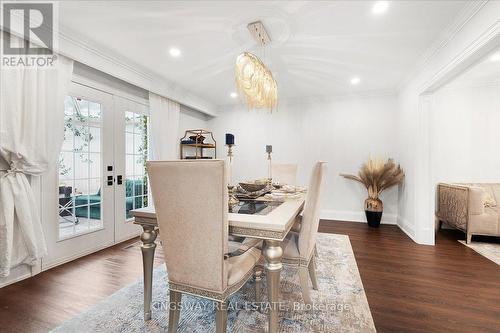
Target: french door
<point>101,174</point>
<point>131,154</point>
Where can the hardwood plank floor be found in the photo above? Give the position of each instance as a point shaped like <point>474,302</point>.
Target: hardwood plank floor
<point>417,288</point>
<point>410,287</point>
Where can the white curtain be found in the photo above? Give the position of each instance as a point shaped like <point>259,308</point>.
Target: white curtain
<point>164,127</point>
<point>31,134</point>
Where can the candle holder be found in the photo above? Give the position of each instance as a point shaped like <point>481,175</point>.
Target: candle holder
<point>269,151</point>
<point>232,201</point>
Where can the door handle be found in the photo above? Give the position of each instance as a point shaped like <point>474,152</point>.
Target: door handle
<point>119,180</point>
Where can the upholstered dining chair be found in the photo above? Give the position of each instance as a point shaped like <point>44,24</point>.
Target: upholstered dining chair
<point>192,212</point>
<point>284,173</point>
<point>300,247</point>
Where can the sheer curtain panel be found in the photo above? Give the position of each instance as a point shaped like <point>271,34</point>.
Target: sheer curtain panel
<point>164,127</point>
<point>31,134</point>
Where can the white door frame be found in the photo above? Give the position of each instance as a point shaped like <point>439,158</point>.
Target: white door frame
<point>425,204</point>
<point>67,249</point>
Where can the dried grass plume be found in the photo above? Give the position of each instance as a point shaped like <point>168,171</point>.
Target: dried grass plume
<point>378,175</point>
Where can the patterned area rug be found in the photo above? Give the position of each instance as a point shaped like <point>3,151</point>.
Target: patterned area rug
<point>488,250</point>
<point>340,304</point>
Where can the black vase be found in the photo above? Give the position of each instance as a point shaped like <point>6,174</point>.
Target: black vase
<point>373,218</point>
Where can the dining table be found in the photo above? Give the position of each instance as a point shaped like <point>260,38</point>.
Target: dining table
<point>270,224</point>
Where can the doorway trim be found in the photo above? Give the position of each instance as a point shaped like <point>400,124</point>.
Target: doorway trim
<point>425,192</point>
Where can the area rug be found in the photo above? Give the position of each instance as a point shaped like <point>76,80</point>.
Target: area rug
<point>487,250</point>
<point>340,304</point>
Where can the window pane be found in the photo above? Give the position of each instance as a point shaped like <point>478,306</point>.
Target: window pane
<point>129,122</point>
<point>95,189</point>
<point>129,143</point>
<point>129,169</point>
<point>82,109</point>
<point>94,138</point>
<point>81,137</point>
<point>66,166</point>
<point>81,165</point>
<point>139,166</point>
<point>80,168</point>
<point>136,147</point>
<point>68,137</point>
<point>81,192</point>
<point>95,165</point>
<point>94,110</point>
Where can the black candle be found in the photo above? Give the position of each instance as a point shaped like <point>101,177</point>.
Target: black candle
<point>229,139</point>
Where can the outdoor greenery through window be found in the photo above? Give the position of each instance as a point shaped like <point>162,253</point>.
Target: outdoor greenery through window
<point>80,168</point>
<point>136,149</point>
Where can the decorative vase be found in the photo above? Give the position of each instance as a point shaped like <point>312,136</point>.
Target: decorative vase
<point>373,211</point>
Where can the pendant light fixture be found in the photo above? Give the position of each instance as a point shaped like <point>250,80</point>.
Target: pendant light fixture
<point>254,80</point>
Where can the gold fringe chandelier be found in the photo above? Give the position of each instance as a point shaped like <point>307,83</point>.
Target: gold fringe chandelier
<point>255,82</point>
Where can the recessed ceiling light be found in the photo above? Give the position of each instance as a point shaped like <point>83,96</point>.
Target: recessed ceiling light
<point>495,57</point>
<point>355,80</point>
<point>233,95</point>
<point>175,52</point>
<point>380,7</point>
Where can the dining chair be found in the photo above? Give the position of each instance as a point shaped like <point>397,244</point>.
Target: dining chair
<point>300,247</point>
<point>192,212</point>
<point>284,173</point>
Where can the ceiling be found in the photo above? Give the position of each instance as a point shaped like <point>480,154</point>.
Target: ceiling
<point>316,48</point>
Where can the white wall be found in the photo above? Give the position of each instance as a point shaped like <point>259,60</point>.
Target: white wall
<point>465,134</point>
<point>342,131</point>
<point>415,211</point>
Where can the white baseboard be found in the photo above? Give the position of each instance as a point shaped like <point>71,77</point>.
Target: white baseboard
<point>74,256</point>
<point>85,253</point>
<point>355,216</point>
<point>14,280</point>
<point>407,228</point>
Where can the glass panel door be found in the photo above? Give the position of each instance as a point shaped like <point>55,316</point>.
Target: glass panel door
<point>136,155</point>
<point>80,204</point>
<point>131,154</point>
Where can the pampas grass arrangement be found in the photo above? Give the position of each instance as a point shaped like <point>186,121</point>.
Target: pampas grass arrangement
<point>377,175</point>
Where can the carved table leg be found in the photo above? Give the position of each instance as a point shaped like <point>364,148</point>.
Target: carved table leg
<point>148,254</point>
<point>272,253</point>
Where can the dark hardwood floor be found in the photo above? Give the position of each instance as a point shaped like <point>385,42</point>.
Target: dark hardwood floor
<point>418,288</point>
<point>410,287</point>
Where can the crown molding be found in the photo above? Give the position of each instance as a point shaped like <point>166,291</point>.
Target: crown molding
<point>481,46</point>
<point>99,57</point>
<point>475,84</point>
<point>80,48</point>
<point>466,14</point>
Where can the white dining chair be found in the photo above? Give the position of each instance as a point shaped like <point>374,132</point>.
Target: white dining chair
<point>299,250</point>
<point>192,212</point>
<point>284,173</point>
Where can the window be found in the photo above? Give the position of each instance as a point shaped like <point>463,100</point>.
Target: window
<point>136,154</point>
<point>80,168</point>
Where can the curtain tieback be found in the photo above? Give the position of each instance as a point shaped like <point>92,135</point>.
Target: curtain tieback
<point>12,171</point>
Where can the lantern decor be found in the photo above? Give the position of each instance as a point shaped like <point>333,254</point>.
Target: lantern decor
<point>255,82</point>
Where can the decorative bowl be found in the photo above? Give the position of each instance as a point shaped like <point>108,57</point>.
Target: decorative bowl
<point>252,187</point>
